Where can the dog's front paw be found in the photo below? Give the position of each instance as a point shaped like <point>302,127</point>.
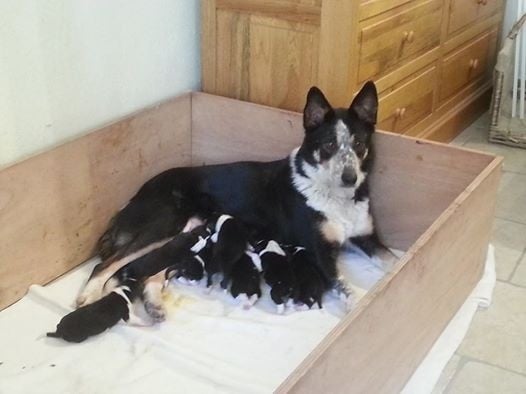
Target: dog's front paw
<point>344,292</point>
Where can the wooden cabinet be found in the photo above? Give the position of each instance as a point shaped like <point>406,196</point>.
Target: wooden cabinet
<point>431,59</point>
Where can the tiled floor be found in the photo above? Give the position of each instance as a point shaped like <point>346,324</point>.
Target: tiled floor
<point>492,357</point>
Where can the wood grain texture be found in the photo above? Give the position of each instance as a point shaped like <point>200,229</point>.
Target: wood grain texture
<point>369,8</point>
<point>208,45</point>
<point>376,348</point>
<point>295,11</point>
<point>464,66</point>
<point>54,206</point>
<point>459,116</point>
<point>400,37</point>
<point>409,103</point>
<point>338,48</point>
<point>270,52</point>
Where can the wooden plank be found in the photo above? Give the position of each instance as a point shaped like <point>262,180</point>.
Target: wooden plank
<point>376,348</point>
<point>54,206</point>
<point>338,49</point>
<point>287,10</point>
<point>433,173</point>
<point>225,130</point>
<point>208,45</point>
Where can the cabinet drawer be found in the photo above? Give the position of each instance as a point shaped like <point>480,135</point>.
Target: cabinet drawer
<point>464,12</point>
<point>370,8</point>
<point>464,66</point>
<point>387,43</point>
<point>401,108</point>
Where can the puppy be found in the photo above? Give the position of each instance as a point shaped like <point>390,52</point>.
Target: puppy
<point>93,319</point>
<point>246,280</point>
<point>278,273</point>
<point>310,283</point>
<point>230,240</point>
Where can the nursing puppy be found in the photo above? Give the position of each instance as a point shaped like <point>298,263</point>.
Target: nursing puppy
<point>317,197</point>
<point>278,273</point>
<point>246,280</point>
<point>96,318</point>
<point>181,248</point>
<point>230,239</point>
<point>310,282</point>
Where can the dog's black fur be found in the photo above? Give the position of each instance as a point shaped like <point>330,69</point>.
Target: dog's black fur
<point>176,251</point>
<point>317,198</point>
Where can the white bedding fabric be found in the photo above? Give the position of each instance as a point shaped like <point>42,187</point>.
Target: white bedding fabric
<point>207,345</point>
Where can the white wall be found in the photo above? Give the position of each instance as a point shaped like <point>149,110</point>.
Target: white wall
<point>68,66</point>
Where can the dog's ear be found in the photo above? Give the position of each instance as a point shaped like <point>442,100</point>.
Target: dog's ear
<point>365,104</point>
<point>316,109</point>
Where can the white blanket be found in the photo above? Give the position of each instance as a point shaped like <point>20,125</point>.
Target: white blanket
<point>207,345</point>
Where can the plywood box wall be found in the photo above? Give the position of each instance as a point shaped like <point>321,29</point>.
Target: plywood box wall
<point>433,200</point>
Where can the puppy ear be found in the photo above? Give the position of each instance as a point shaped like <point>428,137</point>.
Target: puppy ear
<point>316,109</point>
<point>365,104</point>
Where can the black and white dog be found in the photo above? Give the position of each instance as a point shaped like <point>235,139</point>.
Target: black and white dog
<point>317,197</point>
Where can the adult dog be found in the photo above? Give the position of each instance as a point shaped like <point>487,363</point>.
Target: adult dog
<point>317,198</point>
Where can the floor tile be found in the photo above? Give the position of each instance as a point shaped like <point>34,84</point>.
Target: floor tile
<point>498,335</point>
<point>471,133</point>
<point>519,278</point>
<point>514,158</point>
<point>511,201</point>
<point>447,375</point>
<point>478,378</point>
<point>509,239</point>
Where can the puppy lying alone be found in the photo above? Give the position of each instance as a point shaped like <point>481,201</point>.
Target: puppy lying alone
<point>95,318</point>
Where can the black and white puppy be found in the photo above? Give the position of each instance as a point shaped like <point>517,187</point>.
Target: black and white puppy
<point>246,282</point>
<point>310,282</point>
<point>317,197</point>
<point>93,319</point>
<point>278,273</point>
<point>230,239</point>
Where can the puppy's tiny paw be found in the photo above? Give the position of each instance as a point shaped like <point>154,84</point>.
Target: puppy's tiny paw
<point>280,309</point>
<point>155,311</point>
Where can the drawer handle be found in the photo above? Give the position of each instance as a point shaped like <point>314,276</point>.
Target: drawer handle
<point>482,2</point>
<point>473,64</point>
<point>400,112</point>
<point>409,36</point>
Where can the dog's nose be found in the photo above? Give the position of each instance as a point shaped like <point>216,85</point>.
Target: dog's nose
<point>348,176</point>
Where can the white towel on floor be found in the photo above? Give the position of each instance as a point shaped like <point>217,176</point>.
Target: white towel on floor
<point>207,345</point>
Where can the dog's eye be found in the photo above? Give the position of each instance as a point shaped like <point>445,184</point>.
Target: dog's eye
<point>329,147</point>
<point>359,146</point>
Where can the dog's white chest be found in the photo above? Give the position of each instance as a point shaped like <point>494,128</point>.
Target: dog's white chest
<point>344,219</point>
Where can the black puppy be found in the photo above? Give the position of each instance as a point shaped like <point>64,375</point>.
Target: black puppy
<point>93,319</point>
<point>230,240</point>
<point>278,273</point>
<point>310,282</point>
<point>246,280</point>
